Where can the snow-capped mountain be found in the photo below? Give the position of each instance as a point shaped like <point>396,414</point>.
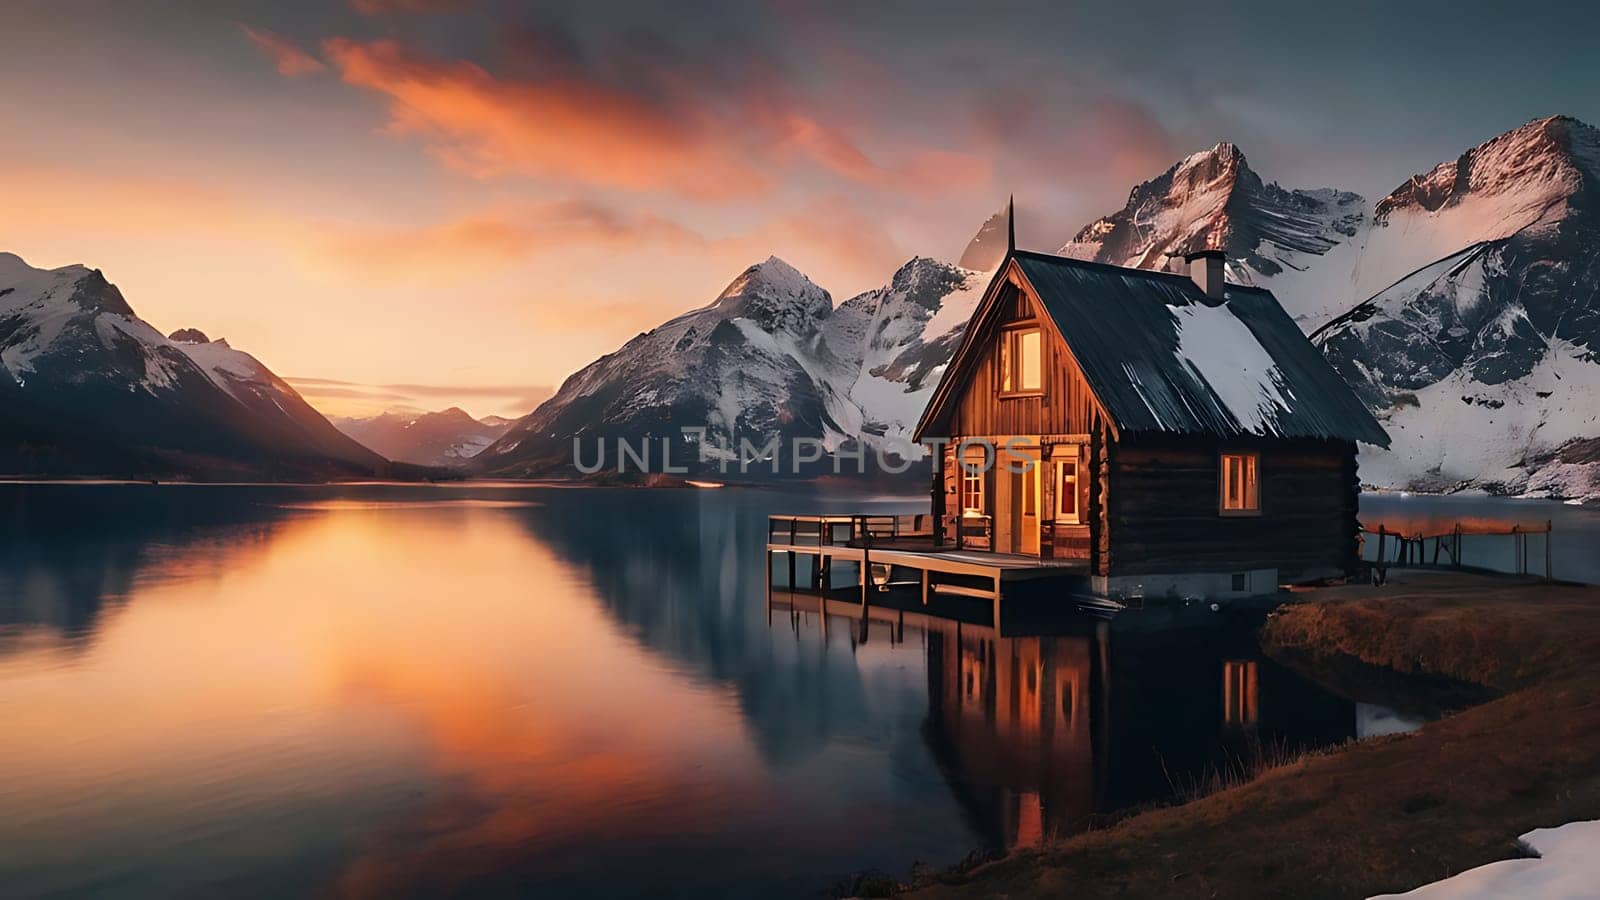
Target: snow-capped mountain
<point>1462,306</point>
<point>448,437</point>
<point>1481,349</point>
<point>740,367</point>
<point>1277,238</point>
<point>770,356</point>
<point>89,388</point>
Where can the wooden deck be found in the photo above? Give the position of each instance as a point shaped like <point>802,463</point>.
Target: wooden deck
<point>875,547</point>
<point>1408,539</point>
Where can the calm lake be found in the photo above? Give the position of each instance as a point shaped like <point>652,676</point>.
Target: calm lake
<point>380,691</point>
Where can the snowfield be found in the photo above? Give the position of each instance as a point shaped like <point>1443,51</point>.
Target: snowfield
<point>1566,868</point>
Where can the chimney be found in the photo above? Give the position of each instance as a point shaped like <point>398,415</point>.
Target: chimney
<point>1205,267</point>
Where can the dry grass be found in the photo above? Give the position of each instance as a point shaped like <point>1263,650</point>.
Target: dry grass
<point>1240,769</point>
<point>1380,815</point>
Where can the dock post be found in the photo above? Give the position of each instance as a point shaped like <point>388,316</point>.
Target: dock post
<point>866,578</point>
<point>996,602</point>
<point>1549,530</point>
<point>924,587</point>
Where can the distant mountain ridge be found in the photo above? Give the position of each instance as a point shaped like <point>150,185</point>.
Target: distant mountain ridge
<point>445,438</point>
<point>89,388</point>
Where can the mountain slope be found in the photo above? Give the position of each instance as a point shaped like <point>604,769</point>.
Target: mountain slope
<point>89,388</point>
<point>449,437</point>
<point>894,342</point>
<point>739,368</point>
<point>1485,359</point>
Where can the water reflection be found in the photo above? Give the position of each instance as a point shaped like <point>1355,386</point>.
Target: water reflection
<point>66,560</point>
<point>414,691</point>
<point>276,692</point>
<point>1046,734</point>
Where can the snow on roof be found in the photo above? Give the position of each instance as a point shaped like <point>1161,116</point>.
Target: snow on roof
<point>1220,349</point>
<point>1162,357</point>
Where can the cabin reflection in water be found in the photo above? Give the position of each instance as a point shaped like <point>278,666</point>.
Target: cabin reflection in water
<point>1009,723</point>
<point>1044,734</point>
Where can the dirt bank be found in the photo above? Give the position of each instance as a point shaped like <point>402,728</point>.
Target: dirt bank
<point>1386,814</point>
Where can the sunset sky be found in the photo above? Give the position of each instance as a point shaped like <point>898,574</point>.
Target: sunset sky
<point>436,202</point>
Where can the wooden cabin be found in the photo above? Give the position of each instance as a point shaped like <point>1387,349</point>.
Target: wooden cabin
<point>1177,434</point>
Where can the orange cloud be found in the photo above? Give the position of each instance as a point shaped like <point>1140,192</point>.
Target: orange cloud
<point>504,237</point>
<point>290,60</point>
<point>580,130</point>
<point>693,135</point>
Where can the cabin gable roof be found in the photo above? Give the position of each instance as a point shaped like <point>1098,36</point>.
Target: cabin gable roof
<point>1160,356</point>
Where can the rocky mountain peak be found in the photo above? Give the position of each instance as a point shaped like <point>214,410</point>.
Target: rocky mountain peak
<point>1213,200</point>
<point>1219,168</point>
<point>189,336</point>
<point>988,247</point>
<point>1535,167</point>
<point>776,296</point>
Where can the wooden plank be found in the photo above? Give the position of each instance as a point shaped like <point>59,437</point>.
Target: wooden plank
<point>961,590</point>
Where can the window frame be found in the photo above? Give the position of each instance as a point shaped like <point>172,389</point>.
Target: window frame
<point>1010,360</point>
<point>971,467</point>
<point>1250,472</point>
<point>1062,461</point>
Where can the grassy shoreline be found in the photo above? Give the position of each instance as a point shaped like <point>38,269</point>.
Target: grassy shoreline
<point>1381,815</point>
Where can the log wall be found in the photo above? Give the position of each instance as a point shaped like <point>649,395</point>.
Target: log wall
<point>1161,510</point>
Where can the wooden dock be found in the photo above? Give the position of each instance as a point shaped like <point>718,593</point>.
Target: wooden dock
<point>1408,539</point>
<point>875,547</point>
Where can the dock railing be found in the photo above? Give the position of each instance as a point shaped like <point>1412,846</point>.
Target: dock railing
<point>861,529</point>
<point>1410,545</point>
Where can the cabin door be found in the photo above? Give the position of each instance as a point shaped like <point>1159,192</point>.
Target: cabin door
<point>1027,494</point>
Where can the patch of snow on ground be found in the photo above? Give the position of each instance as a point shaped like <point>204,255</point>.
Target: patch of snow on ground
<point>1567,868</point>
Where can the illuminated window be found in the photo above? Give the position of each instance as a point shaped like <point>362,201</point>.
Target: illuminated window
<point>1241,490</point>
<point>1067,490</point>
<point>972,472</point>
<point>1021,361</point>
